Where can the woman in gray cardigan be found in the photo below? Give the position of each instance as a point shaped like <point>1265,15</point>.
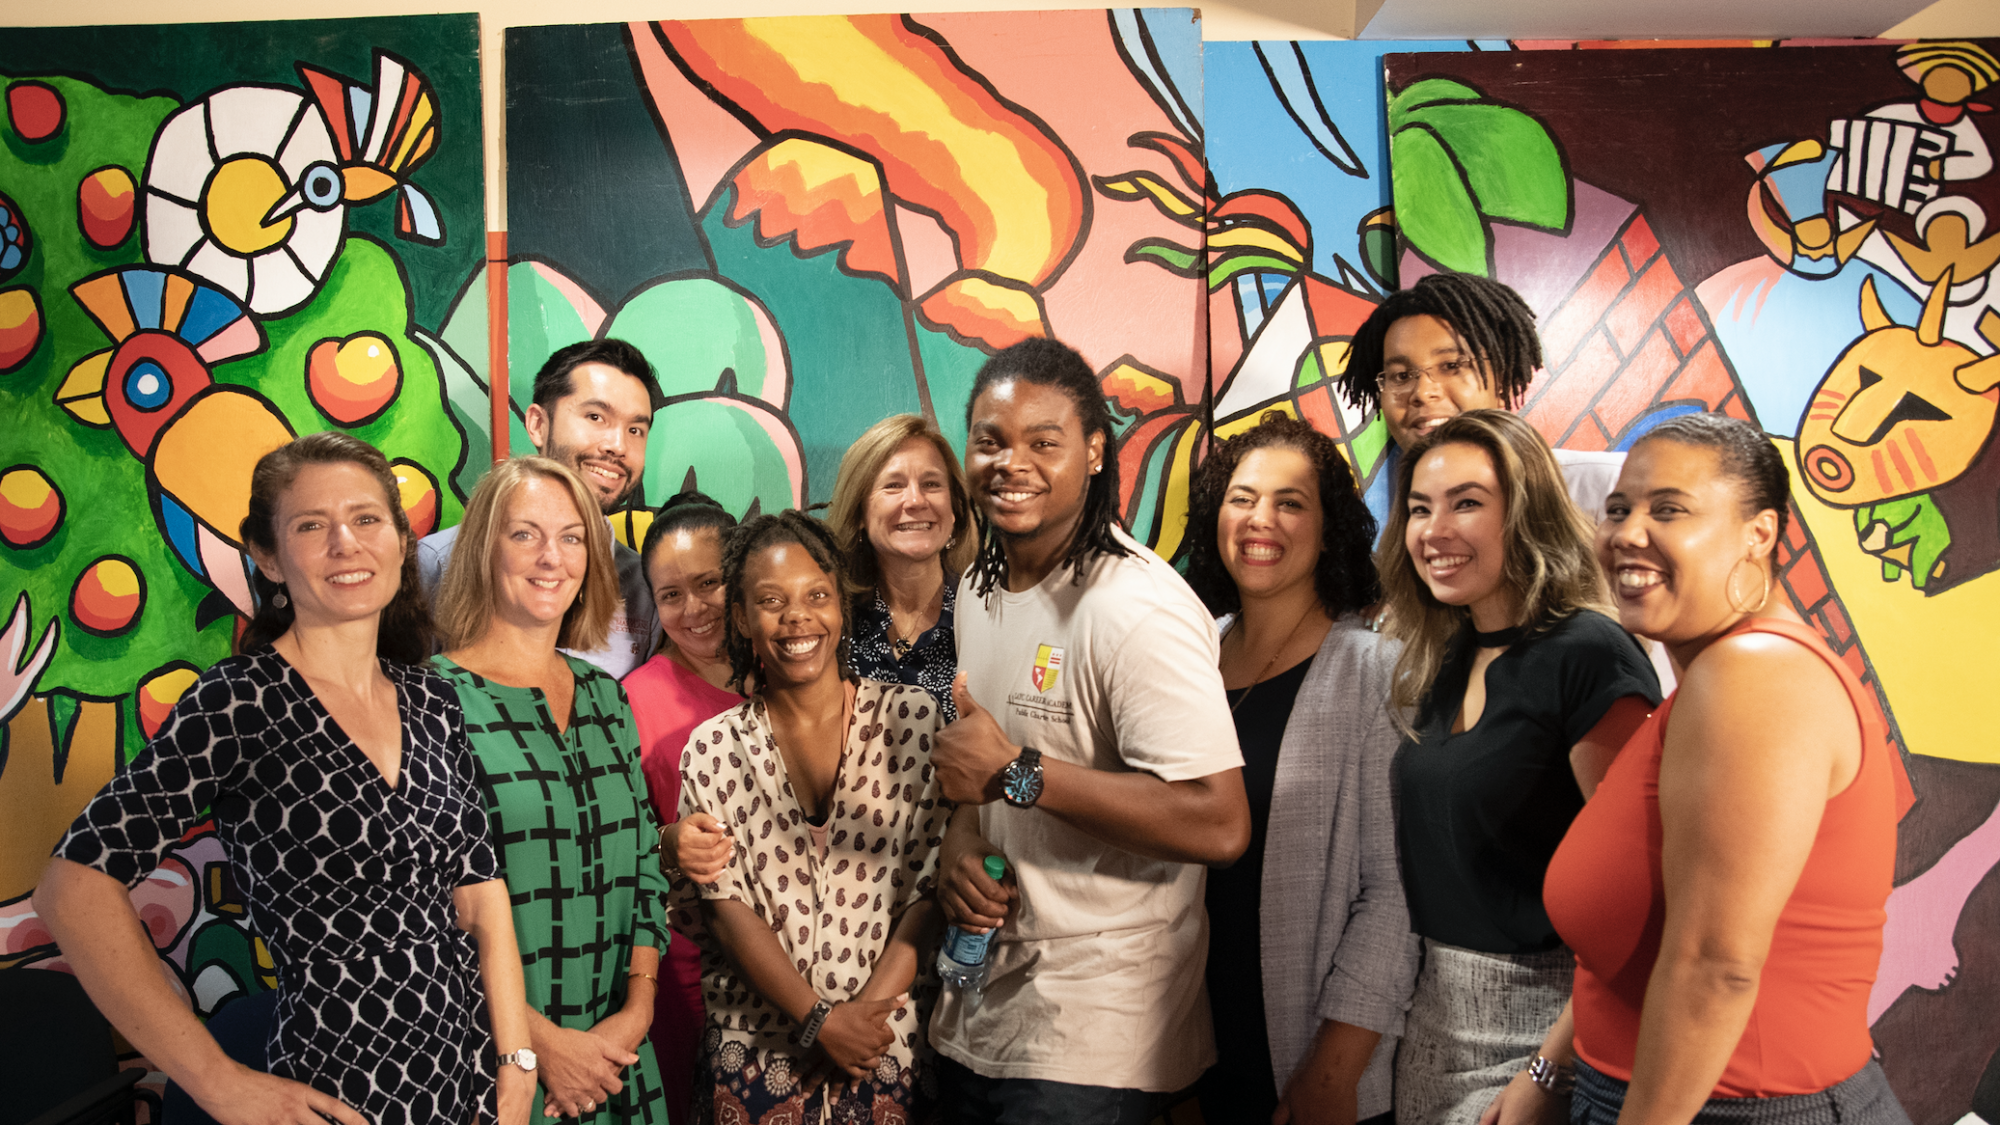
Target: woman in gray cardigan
<point>1311,961</point>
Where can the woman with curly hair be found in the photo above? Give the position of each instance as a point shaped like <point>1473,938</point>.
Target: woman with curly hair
<point>1310,958</point>
<point>810,936</point>
<point>1524,688</point>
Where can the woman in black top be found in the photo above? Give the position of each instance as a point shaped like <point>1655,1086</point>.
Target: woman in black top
<point>903,519</point>
<point>1309,955</point>
<point>1523,689</point>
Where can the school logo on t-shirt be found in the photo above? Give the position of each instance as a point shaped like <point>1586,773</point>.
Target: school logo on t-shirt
<point>1048,666</point>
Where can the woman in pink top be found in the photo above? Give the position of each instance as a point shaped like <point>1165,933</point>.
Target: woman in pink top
<point>671,694</point>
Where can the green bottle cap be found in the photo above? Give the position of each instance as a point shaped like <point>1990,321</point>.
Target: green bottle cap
<point>996,866</point>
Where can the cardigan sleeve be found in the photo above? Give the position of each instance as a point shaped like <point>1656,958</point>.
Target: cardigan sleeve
<point>1374,965</point>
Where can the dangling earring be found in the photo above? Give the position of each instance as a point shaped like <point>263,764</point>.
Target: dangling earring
<point>1729,588</point>
<point>279,599</point>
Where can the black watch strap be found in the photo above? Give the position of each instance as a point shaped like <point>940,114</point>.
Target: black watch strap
<point>815,1019</point>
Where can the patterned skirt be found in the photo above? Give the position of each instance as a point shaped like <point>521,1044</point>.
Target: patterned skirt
<point>737,1083</point>
<point>1476,1021</point>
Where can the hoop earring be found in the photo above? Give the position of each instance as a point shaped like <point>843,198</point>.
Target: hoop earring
<point>1729,589</point>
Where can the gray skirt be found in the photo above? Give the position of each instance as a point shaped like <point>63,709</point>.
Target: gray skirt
<point>1862,1098</point>
<point>1476,1021</point>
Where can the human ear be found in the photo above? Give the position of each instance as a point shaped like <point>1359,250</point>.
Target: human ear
<point>1762,535</point>
<point>1096,452</point>
<point>537,422</point>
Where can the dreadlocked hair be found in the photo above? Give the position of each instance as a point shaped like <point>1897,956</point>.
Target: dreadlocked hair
<point>1051,363</point>
<point>752,537</point>
<point>1343,576</point>
<point>1496,326</point>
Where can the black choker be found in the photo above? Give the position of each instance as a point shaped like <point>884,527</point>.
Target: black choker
<point>1499,638</point>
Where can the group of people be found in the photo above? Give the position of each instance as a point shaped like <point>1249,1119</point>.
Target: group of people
<point>1328,826</point>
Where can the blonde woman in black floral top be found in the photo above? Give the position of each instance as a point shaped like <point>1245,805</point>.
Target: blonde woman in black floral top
<point>902,517</point>
<point>812,938</point>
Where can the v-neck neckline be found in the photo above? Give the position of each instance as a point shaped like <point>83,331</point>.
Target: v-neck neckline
<point>541,698</point>
<point>839,768</point>
<point>340,733</point>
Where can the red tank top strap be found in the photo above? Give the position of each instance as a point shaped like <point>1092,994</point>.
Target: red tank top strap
<point>1867,709</point>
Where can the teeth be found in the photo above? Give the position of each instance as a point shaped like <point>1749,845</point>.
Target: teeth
<point>1262,553</point>
<point>798,646</point>
<point>1446,562</point>
<point>702,630</point>
<point>545,583</point>
<point>352,579</point>
<point>602,471</point>
<point>916,526</point>
<point>1638,579</point>
<point>1014,497</point>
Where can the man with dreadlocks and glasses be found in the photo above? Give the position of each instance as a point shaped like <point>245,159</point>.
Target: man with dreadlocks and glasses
<point>1094,750</point>
<point>1455,342</point>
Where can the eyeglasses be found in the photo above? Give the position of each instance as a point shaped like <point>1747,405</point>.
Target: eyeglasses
<point>1401,382</point>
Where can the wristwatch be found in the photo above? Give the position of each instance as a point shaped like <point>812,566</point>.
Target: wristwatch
<point>523,1058</point>
<point>1021,779</point>
<point>1552,1077</point>
<point>815,1020</point>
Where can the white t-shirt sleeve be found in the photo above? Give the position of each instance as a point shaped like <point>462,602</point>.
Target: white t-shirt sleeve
<point>1165,696</point>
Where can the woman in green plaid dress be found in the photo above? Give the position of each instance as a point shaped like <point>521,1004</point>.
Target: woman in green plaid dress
<point>558,757</point>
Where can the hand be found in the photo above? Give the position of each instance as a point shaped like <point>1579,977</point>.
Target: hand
<point>252,1097</point>
<point>577,1070</point>
<point>856,1033</point>
<point>969,754</point>
<point>970,898</point>
<point>625,1028</point>
<point>1317,1096</point>
<point>1521,1102</point>
<point>700,848</point>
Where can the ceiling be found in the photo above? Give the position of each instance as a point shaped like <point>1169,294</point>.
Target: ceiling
<point>1596,19</point>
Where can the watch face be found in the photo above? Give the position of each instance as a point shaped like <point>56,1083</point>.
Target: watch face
<point>1021,785</point>
<point>526,1057</point>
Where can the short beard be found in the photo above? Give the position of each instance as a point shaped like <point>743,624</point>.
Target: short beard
<point>567,457</point>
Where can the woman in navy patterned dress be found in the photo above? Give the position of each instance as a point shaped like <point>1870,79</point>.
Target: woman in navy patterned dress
<point>345,796</point>
<point>903,519</point>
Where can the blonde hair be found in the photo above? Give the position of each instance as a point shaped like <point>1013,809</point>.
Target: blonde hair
<point>1549,560</point>
<point>847,514</point>
<point>466,601</point>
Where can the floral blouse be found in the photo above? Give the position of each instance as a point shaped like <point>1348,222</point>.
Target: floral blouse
<point>931,662</point>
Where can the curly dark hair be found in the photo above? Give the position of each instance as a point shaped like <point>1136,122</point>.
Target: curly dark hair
<point>752,536</point>
<point>405,633</point>
<point>1051,363</point>
<point>1492,319</point>
<point>1344,577</point>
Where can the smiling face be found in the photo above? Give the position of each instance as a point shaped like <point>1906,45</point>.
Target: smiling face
<point>1673,539</point>
<point>599,429</point>
<point>339,554</point>
<point>1429,375</point>
<point>685,574</point>
<point>1269,529</point>
<point>540,554</point>
<point>791,616</point>
<point>1457,534</point>
<point>1029,463</point>
<point>908,512</point>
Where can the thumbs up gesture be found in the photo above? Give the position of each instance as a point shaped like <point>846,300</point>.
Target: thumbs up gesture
<point>970,753</point>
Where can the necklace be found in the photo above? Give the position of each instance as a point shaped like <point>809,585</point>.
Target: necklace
<point>1269,664</point>
<point>902,640</point>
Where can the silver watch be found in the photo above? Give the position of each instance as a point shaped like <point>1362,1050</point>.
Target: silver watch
<point>1553,1078</point>
<point>523,1058</point>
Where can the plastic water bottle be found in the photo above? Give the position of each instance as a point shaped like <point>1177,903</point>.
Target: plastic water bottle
<point>964,957</point>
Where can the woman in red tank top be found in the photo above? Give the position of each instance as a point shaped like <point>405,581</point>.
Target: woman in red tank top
<point>1724,888</point>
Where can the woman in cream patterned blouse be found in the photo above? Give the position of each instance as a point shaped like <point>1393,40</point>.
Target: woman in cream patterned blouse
<point>812,937</point>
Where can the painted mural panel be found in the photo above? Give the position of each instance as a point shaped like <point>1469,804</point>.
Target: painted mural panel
<point>215,237</point>
<point>1798,237</point>
<point>810,223</point>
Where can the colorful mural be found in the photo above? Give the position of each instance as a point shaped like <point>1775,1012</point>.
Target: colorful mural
<point>1796,237</point>
<point>810,223</point>
<point>215,237</point>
